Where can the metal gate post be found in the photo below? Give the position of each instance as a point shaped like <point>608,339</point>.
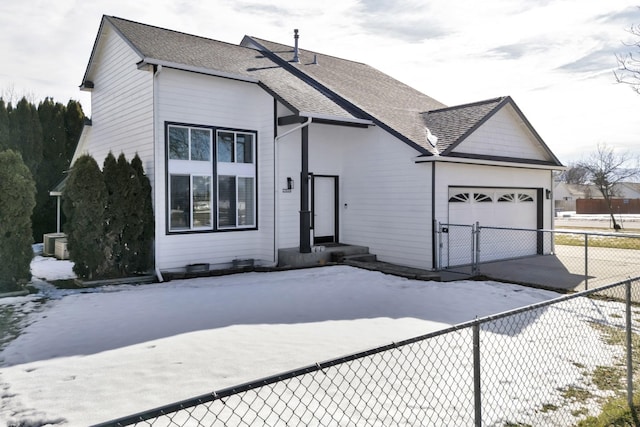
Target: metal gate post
<point>586,261</point>
<point>629,348</point>
<point>476,252</point>
<point>439,233</point>
<point>477,383</point>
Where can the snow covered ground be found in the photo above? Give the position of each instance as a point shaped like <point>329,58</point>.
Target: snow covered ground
<point>88,356</point>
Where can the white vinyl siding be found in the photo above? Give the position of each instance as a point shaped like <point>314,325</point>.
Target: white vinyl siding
<point>503,135</point>
<point>121,104</point>
<point>384,198</point>
<point>229,105</point>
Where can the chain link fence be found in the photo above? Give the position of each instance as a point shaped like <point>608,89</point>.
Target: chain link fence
<point>552,363</point>
<point>590,259</point>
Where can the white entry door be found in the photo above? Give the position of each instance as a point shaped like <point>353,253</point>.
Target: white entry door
<point>324,204</point>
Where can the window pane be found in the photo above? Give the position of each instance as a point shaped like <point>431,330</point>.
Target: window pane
<point>180,208</point>
<point>245,201</point>
<point>244,144</point>
<point>200,146</point>
<point>178,143</point>
<point>225,147</point>
<point>226,201</point>
<point>202,201</point>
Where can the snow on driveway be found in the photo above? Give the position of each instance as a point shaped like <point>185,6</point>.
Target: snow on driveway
<point>87,357</point>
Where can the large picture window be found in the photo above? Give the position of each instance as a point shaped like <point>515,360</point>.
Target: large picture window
<point>211,178</point>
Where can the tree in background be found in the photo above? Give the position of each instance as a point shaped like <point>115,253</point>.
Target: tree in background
<point>606,169</point>
<point>46,137</point>
<point>629,64</point>
<point>4,126</point>
<point>25,134</point>
<point>84,201</point>
<point>17,199</point>
<point>54,163</point>
<point>74,120</point>
<point>574,174</point>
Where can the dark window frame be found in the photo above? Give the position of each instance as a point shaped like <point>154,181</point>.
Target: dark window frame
<point>214,173</point>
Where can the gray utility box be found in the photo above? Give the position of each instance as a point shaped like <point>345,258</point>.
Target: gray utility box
<point>49,243</point>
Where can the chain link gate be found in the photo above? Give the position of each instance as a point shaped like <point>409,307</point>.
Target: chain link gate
<point>458,248</point>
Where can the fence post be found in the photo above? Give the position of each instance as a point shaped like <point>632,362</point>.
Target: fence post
<point>476,251</point>
<point>586,261</point>
<point>629,348</point>
<point>477,386</point>
<point>439,233</point>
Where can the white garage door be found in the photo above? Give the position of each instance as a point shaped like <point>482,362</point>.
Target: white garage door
<point>491,207</point>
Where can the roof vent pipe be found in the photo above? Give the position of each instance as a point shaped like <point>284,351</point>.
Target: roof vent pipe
<point>315,59</point>
<point>295,48</point>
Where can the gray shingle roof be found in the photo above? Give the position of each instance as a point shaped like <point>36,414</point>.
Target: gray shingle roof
<point>332,87</point>
<point>384,98</point>
<point>452,124</point>
<point>194,51</point>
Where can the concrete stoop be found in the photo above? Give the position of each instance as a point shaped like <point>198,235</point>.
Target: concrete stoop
<point>355,256</point>
<point>320,255</point>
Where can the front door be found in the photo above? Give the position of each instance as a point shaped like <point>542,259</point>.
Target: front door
<point>324,204</point>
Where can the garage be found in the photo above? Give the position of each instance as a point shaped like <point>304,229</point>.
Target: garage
<point>493,207</point>
<point>514,208</point>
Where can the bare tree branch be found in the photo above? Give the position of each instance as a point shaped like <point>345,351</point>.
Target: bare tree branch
<point>607,168</point>
<point>628,71</point>
<point>574,174</point>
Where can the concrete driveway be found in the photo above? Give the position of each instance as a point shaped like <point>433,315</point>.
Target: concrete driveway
<point>566,268</point>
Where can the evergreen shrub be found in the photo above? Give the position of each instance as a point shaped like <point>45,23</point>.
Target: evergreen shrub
<point>17,200</point>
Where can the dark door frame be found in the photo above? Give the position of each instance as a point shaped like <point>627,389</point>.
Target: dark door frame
<point>336,220</point>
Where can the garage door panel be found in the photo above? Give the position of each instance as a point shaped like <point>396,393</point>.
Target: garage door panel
<point>495,207</point>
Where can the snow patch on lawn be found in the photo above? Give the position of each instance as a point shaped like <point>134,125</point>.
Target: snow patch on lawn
<point>90,356</point>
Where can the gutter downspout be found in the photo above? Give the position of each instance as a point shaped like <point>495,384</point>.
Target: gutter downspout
<point>275,180</point>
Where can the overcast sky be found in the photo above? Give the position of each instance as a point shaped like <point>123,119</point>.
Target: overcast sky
<point>555,58</point>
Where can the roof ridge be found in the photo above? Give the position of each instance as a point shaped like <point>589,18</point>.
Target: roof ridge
<point>111,17</point>
<point>312,51</point>
<point>471,104</point>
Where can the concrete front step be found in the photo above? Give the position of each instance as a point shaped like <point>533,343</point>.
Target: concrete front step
<point>320,255</point>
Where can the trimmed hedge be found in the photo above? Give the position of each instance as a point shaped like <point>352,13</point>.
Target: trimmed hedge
<point>110,218</point>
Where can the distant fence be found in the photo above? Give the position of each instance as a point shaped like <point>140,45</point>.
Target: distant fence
<point>594,258</point>
<point>600,206</point>
<point>539,365</point>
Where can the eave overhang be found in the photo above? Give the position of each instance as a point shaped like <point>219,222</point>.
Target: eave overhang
<point>200,70</point>
<point>497,161</point>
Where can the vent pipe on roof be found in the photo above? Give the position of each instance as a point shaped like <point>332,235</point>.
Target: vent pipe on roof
<point>315,59</point>
<point>295,46</point>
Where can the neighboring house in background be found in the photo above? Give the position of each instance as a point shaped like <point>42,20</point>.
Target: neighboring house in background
<point>259,147</point>
<point>628,190</point>
<point>565,195</point>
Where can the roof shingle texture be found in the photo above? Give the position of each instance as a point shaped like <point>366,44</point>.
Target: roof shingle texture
<point>179,48</point>
<point>452,124</point>
<point>382,97</point>
<point>324,85</point>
